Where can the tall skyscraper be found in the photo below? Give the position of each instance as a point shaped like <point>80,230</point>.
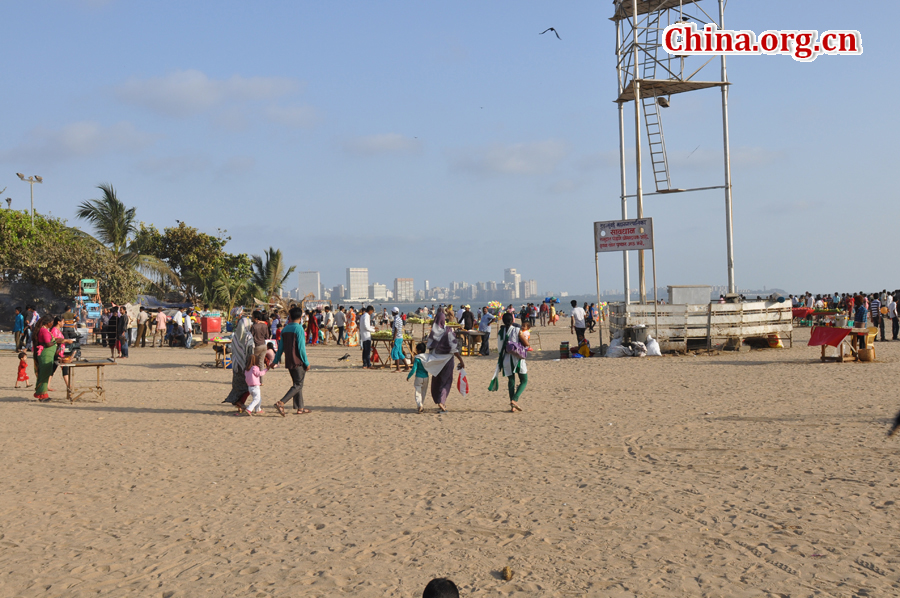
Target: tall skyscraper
<point>427,285</point>
<point>404,291</point>
<point>338,293</point>
<point>357,284</point>
<point>309,282</point>
<point>511,277</point>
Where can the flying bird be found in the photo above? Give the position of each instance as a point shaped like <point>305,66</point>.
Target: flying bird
<point>550,29</point>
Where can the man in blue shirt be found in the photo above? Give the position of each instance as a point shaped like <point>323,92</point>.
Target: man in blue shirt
<point>293,346</point>
<point>484,326</point>
<point>19,329</point>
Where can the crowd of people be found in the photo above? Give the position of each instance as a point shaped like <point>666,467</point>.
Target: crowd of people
<point>866,309</point>
<point>261,340</point>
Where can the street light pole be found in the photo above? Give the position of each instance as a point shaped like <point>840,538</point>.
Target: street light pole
<point>31,181</point>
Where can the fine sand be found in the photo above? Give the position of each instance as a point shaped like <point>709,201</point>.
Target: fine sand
<point>754,474</point>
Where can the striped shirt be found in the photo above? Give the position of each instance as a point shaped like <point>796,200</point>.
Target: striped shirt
<point>398,326</point>
<point>875,308</point>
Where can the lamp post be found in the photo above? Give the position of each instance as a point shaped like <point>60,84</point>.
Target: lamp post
<point>31,181</point>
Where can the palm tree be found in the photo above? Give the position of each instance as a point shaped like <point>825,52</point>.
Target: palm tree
<point>114,228</point>
<point>228,290</point>
<point>269,274</point>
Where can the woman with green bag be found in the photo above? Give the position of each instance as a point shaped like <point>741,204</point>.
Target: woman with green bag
<point>513,346</point>
<point>44,350</point>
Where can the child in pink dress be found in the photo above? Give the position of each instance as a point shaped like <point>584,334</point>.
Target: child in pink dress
<point>253,377</point>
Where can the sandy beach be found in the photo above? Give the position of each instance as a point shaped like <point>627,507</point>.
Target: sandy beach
<point>764,473</point>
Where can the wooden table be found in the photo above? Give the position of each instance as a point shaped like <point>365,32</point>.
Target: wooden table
<point>473,346</point>
<point>384,359</point>
<point>220,355</point>
<point>73,393</point>
<point>827,336</point>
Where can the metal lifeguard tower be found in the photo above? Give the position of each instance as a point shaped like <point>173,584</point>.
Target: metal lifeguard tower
<point>649,76</point>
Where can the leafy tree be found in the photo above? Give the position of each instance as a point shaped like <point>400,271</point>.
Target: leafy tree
<point>269,274</point>
<point>199,259</point>
<point>114,228</point>
<point>56,257</point>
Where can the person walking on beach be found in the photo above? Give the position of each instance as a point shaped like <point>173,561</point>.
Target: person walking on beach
<point>420,375</point>
<point>340,322</point>
<point>484,327</point>
<point>545,311</point>
<point>19,329</point>
<point>241,348</point>
<point>511,362</point>
<point>577,322</point>
<point>397,354</point>
<point>365,336</point>
<point>143,321</point>
<point>22,372</point>
<point>253,375</point>
<point>443,347</point>
<point>877,316</point>
<point>260,332</point>
<point>159,327</point>
<point>293,347</point>
<point>467,319</point>
<point>328,324</point>
<point>112,333</point>
<point>892,316</point>
<point>122,332</point>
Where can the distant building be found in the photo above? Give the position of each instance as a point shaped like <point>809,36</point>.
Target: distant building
<point>404,290</point>
<point>378,291</point>
<point>338,293</point>
<point>529,289</point>
<point>427,286</point>
<point>511,277</point>
<point>309,282</point>
<point>357,284</point>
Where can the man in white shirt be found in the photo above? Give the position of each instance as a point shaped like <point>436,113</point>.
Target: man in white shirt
<point>365,336</point>
<point>340,322</point>
<point>143,319</point>
<point>188,330</point>
<point>577,323</point>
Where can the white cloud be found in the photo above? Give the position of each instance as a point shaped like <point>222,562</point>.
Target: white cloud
<point>80,139</point>
<point>292,116</point>
<point>185,93</point>
<point>388,143</point>
<point>533,158</point>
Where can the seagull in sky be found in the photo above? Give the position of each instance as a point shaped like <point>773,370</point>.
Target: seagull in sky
<point>550,29</point>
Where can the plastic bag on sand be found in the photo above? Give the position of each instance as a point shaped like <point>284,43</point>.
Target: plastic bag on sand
<point>618,351</point>
<point>653,347</point>
<point>462,383</point>
<point>639,349</point>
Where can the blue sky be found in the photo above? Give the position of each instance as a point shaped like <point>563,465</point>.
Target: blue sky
<point>449,140</point>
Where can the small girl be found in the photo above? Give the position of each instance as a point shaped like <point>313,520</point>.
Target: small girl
<point>252,375</point>
<point>420,383</point>
<point>526,333</point>
<point>270,357</point>
<point>23,370</point>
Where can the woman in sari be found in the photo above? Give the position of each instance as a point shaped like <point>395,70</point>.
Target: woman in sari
<point>57,334</point>
<point>241,349</point>
<point>352,329</point>
<point>438,362</point>
<point>312,329</point>
<point>44,350</point>
<point>510,364</point>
